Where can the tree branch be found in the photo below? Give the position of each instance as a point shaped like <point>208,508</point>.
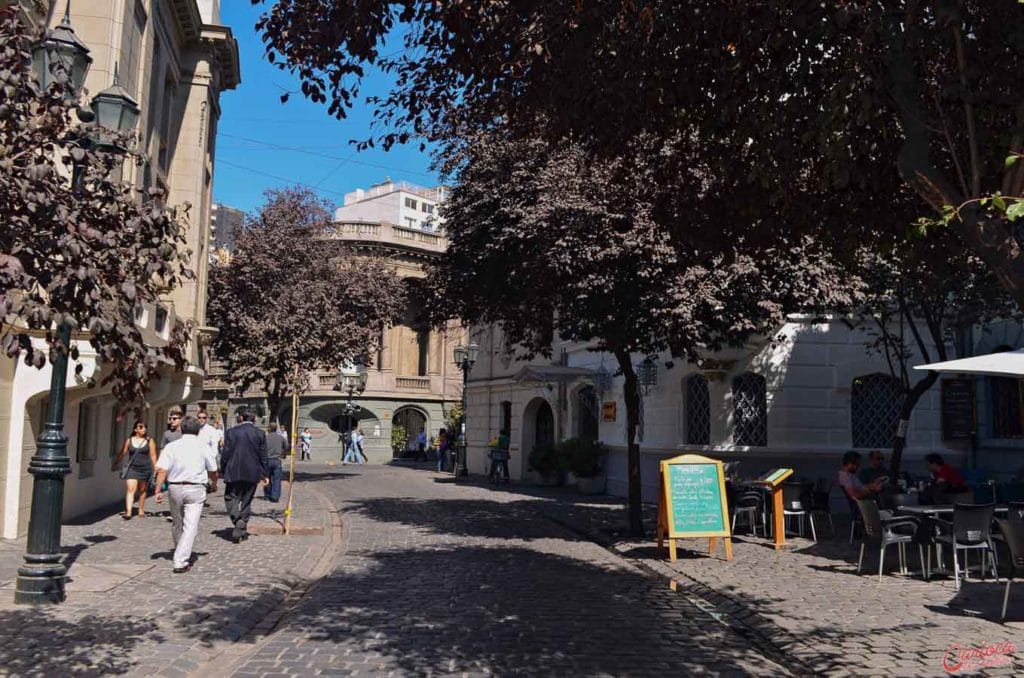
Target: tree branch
<point>972,134</point>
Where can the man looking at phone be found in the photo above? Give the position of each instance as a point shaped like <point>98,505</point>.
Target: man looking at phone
<point>875,468</point>
<point>854,487</point>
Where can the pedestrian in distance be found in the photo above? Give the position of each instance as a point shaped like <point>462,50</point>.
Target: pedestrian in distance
<point>359,446</point>
<point>306,444</point>
<point>209,434</point>
<point>421,445</point>
<point>243,465</point>
<point>352,448</point>
<point>442,448</point>
<point>188,465</point>
<point>137,470</point>
<point>173,431</point>
<point>277,448</point>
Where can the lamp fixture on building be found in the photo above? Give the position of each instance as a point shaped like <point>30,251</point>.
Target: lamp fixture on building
<point>41,577</point>
<point>647,374</point>
<point>465,357</point>
<point>115,110</point>
<point>351,379</point>
<point>60,51</point>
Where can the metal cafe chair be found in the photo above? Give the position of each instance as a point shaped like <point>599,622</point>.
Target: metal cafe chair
<point>881,532</point>
<point>971,530</point>
<point>821,502</point>
<point>795,503</point>
<point>750,505</point>
<point>1013,534</point>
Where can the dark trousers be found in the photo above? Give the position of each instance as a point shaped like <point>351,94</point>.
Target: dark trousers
<point>272,491</point>
<point>238,501</point>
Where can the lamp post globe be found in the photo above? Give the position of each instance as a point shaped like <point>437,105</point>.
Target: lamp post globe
<point>61,54</point>
<point>115,109</point>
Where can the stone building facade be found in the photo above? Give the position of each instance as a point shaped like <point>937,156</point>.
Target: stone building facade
<point>175,59</point>
<point>412,382</point>
<point>800,401</point>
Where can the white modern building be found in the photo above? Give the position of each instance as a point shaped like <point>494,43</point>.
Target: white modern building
<point>399,203</point>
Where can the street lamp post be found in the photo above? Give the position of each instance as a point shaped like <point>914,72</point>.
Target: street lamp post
<point>352,380</point>
<point>465,357</point>
<point>41,577</point>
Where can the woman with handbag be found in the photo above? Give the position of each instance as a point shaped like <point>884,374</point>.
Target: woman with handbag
<point>138,469</point>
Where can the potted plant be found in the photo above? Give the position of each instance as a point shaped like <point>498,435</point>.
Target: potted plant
<point>549,464</point>
<point>586,460</point>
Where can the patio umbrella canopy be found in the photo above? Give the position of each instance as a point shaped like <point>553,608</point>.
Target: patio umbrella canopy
<point>1007,364</point>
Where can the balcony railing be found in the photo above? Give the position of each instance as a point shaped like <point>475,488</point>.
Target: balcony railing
<point>412,383</point>
<point>385,233</point>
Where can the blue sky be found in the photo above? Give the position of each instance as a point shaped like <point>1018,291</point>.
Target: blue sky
<point>262,143</point>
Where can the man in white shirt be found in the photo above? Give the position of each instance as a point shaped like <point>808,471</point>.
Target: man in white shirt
<point>210,435</point>
<point>187,464</point>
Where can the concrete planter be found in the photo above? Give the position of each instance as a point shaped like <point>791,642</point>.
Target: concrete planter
<point>593,485</point>
<point>550,480</point>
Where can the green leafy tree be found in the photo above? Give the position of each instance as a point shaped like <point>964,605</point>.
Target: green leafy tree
<point>291,298</point>
<point>86,255</point>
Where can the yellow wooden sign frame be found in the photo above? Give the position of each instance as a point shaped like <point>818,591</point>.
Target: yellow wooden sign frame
<point>664,529</point>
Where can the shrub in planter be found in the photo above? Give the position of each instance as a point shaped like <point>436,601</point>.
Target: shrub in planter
<point>549,462</point>
<point>585,458</point>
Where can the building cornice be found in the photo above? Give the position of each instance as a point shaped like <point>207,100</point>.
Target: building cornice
<point>189,21</point>
<point>224,49</point>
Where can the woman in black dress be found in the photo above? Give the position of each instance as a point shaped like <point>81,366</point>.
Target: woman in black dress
<point>138,468</point>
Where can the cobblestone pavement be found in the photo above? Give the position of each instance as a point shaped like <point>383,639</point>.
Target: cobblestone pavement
<point>434,578</point>
<point>126,613</point>
<point>808,601</point>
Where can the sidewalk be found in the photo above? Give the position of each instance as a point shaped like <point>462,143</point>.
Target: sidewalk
<point>806,606</point>
<point>127,613</point>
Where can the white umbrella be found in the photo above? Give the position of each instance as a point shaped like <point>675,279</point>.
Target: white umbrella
<point>1008,364</point>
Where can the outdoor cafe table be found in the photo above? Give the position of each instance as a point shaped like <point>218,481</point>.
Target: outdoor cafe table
<point>938,509</point>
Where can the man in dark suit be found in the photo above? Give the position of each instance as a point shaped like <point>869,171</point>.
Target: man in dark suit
<point>243,464</point>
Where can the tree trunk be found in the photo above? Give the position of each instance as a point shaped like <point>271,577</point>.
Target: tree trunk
<point>273,406</point>
<point>632,398</point>
<point>909,403</point>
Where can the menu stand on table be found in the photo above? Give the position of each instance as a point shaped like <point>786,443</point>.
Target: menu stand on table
<point>773,481</point>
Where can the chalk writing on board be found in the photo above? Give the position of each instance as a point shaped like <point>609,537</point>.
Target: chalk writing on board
<point>695,490</point>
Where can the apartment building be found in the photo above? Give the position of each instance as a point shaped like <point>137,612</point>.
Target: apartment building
<point>175,59</point>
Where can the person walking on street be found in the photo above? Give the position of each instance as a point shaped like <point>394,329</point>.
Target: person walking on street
<point>209,435</point>
<point>306,443</point>
<point>359,445</point>
<point>352,448</point>
<point>277,448</point>
<point>187,465</point>
<point>442,449</point>
<point>421,446</point>
<point>243,464</point>
<point>138,469</point>
<point>173,431</point>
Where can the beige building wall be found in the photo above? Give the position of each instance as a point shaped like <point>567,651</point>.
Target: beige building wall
<point>174,60</point>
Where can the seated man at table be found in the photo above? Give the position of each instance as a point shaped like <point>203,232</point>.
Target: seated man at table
<point>946,477</point>
<point>854,487</point>
<point>875,468</point>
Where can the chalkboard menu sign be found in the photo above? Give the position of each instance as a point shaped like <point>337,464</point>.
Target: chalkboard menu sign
<point>957,409</point>
<point>694,497</point>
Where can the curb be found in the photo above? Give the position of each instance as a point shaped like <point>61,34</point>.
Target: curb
<point>775,643</point>
<point>267,611</point>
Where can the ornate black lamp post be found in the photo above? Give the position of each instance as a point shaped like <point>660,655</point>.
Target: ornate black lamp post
<point>352,380</point>
<point>465,357</point>
<point>41,578</point>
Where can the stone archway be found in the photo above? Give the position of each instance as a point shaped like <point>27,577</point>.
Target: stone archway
<point>406,424</point>
<point>332,416</point>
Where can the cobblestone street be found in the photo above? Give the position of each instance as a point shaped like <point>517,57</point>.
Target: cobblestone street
<point>434,579</point>
<point>126,613</point>
<point>400,571</point>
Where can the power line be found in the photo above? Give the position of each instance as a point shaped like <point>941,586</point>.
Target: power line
<point>279,178</point>
<point>297,149</point>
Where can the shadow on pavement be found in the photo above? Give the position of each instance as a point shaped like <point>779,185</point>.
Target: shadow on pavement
<point>47,645</point>
<point>306,476</point>
<point>75,550</point>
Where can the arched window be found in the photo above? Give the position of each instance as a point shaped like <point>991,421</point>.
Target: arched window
<point>698,410</point>
<point>1006,404</point>
<point>874,410</point>
<point>750,410</point>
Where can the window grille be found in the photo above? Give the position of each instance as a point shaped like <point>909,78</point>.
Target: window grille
<point>1006,408</point>
<point>874,410</point>
<point>750,410</point>
<point>698,411</point>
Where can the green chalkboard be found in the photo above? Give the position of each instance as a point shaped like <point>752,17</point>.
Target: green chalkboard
<point>695,499</point>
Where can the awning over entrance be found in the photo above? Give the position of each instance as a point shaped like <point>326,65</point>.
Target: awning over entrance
<point>547,374</point>
<point>1006,364</point>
